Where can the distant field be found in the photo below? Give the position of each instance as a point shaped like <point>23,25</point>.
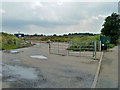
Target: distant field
<point>65,38</point>
<point>73,38</point>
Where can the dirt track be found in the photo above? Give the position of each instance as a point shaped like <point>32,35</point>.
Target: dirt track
<point>22,71</point>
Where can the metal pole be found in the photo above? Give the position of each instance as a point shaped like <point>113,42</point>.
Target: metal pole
<point>58,47</point>
<point>80,51</point>
<point>68,47</point>
<point>49,47</point>
<point>16,42</point>
<point>100,45</point>
<point>95,49</point>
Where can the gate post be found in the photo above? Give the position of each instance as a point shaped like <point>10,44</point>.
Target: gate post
<point>95,49</point>
<point>80,50</point>
<point>49,47</point>
<point>69,47</point>
<point>100,45</point>
<point>58,47</point>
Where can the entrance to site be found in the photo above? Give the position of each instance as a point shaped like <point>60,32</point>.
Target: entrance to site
<point>86,48</point>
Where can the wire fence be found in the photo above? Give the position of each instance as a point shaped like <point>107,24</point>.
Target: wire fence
<point>87,48</point>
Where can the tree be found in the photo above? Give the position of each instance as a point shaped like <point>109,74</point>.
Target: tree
<point>35,34</point>
<point>69,34</point>
<point>111,27</point>
<point>54,35</point>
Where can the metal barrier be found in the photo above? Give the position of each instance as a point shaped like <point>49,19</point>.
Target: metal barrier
<point>74,48</point>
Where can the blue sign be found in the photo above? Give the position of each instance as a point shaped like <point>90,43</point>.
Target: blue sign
<point>105,40</point>
<point>20,35</point>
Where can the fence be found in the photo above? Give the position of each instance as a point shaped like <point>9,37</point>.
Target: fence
<point>75,48</point>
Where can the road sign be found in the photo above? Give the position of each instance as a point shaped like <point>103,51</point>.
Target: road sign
<point>105,40</point>
<point>19,35</point>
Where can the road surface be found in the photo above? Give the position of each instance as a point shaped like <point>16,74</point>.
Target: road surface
<point>22,71</point>
<point>108,77</point>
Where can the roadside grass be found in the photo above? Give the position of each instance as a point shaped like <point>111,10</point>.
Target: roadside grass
<point>110,46</point>
<point>9,41</point>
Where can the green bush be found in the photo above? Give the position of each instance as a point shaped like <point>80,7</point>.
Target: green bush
<point>8,41</point>
<point>110,45</point>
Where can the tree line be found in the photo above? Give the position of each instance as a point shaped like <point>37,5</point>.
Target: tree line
<point>69,34</point>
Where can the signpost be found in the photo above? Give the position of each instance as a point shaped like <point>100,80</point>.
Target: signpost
<point>19,35</point>
<point>105,40</point>
<point>95,49</point>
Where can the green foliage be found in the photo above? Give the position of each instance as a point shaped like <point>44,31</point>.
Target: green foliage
<point>8,41</point>
<point>111,27</point>
<point>87,38</point>
<point>80,48</point>
<point>84,43</point>
<point>51,38</point>
<point>110,45</point>
<point>65,38</point>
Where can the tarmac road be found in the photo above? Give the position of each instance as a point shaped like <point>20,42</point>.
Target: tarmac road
<point>108,77</point>
<point>22,71</point>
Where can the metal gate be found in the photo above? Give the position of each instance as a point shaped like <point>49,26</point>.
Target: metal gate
<point>87,48</point>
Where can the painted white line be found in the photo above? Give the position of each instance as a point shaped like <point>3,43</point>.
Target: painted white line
<point>97,73</point>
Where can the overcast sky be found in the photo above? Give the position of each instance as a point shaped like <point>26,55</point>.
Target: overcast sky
<point>53,17</point>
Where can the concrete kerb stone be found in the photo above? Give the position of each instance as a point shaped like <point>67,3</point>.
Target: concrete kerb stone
<point>97,73</point>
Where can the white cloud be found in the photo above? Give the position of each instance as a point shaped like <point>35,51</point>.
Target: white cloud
<point>92,24</point>
<point>94,18</point>
<point>62,0</point>
<point>33,5</point>
<point>60,3</point>
<point>36,5</point>
<point>34,13</point>
<point>58,17</point>
<point>2,11</point>
<point>98,17</point>
<point>31,26</point>
<point>91,19</point>
<point>102,16</point>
